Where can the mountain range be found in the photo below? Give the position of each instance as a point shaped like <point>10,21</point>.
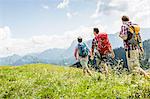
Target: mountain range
<point>61,56</point>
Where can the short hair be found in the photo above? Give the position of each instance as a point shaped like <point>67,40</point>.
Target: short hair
<point>79,39</point>
<point>125,18</point>
<point>96,30</point>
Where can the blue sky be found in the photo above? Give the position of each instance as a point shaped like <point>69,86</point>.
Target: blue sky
<point>34,17</point>
<point>27,18</point>
<point>28,26</point>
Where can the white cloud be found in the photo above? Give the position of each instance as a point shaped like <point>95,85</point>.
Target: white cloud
<point>108,7</point>
<point>111,21</point>
<point>4,33</point>
<point>63,4</point>
<point>40,43</point>
<point>45,6</point>
<point>97,11</point>
<point>140,12</point>
<point>70,15</point>
<point>109,12</point>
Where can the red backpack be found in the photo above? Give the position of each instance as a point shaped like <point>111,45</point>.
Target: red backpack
<point>103,45</point>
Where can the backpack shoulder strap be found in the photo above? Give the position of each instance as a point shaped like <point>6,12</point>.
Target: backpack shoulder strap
<point>79,45</point>
<point>132,27</point>
<point>84,44</point>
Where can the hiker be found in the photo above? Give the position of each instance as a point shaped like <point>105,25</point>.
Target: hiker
<point>101,48</point>
<point>132,44</point>
<point>81,54</point>
<point>92,63</point>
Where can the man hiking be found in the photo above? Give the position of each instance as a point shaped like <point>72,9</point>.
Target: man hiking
<point>132,44</point>
<point>101,47</point>
<point>81,53</point>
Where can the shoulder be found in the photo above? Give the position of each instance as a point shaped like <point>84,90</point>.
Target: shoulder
<point>77,45</point>
<point>130,23</point>
<point>124,26</point>
<point>94,39</point>
<point>102,35</point>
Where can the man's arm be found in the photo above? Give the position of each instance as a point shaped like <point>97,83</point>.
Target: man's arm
<point>113,54</point>
<point>123,32</point>
<point>140,44</point>
<point>92,48</point>
<point>111,51</point>
<point>75,53</point>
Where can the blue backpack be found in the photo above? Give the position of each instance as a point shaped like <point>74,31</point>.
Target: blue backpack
<point>82,50</point>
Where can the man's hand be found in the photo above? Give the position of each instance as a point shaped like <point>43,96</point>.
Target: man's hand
<point>76,58</point>
<point>124,37</point>
<point>91,57</point>
<point>141,53</point>
<point>113,55</point>
<point>142,50</point>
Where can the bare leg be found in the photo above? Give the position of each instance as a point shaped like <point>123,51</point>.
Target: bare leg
<point>84,62</point>
<point>104,65</point>
<point>89,72</point>
<point>143,72</point>
<point>84,71</point>
<point>106,69</point>
<point>98,63</point>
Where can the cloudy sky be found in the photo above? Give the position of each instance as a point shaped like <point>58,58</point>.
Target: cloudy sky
<point>28,26</point>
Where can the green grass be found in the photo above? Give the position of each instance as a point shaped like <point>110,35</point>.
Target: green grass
<point>49,81</point>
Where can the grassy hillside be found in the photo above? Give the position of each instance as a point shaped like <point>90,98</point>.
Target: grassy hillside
<point>49,81</point>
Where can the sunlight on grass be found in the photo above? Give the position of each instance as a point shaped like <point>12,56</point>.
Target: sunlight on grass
<point>50,81</point>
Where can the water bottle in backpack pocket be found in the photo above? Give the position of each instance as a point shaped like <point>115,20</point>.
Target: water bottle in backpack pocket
<point>82,49</point>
